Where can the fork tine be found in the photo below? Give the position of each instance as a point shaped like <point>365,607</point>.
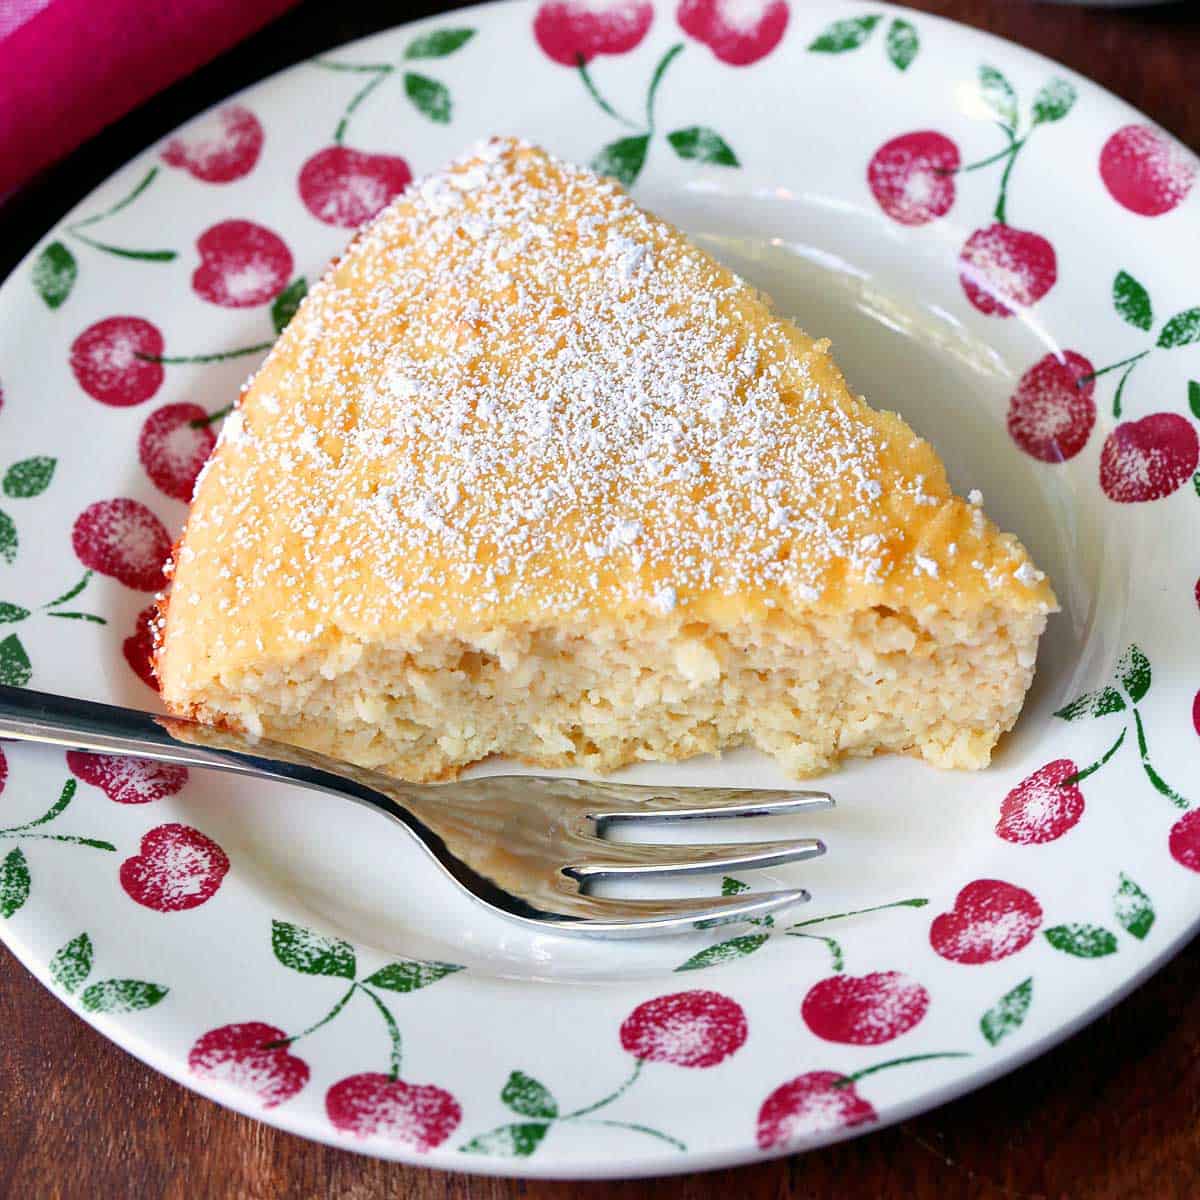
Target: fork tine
<point>686,804</point>
<point>607,916</point>
<point>631,859</point>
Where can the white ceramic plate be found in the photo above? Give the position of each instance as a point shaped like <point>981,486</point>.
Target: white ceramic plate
<point>286,955</point>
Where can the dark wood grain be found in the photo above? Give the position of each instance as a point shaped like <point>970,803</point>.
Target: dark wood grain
<point>1112,1113</point>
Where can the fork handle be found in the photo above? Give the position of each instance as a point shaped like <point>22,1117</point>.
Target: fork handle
<point>29,716</point>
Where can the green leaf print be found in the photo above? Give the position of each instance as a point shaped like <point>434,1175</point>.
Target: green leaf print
<point>1093,704</point>
<point>903,44</point>
<point>1181,330</point>
<point>1008,1013</point>
<point>1132,301</point>
<point>439,43</point>
<point>411,975</point>
<point>509,1141</point>
<point>121,995</point>
<point>54,273</point>
<point>999,96</point>
<point>14,882</point>
<point>312,953</point>
<point>529,1097</point>
<point>1134,911</point>
<point>1083,941</point>
<point>15,669</point>
<point>1133,670</point>
<point>283,309</point>
<point>72,963</point>
<point>724,952</point>
<point>1053,101</point>
<point>844,35</point>
<point>703,145</point>
<point>623,159</point>
<point>10,614</point>
<point>8,538</point>
<point>429,97</point>
<point>29,477</point>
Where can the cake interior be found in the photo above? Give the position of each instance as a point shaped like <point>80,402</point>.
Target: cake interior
<point>807,689</point>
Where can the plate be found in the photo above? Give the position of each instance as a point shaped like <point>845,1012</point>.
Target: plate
<point>997,248</point>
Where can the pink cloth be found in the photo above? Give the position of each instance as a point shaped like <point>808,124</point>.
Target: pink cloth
<point>70,67</point>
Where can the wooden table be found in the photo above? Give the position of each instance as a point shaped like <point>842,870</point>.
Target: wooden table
<point>1113,1113</point>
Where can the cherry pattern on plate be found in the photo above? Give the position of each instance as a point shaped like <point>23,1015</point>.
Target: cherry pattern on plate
<point>177,868</point>
<point>127,780</point>
<point>820,1102</point>
<point>254,1057</point>
<point>1146,171</point>
<point>138,648</point>
<point>736,31</point>
<point>1043,806</point>
<point>1128,687</point>
<point>912,177</point>
<point>242,264</point>
<point>249,1057</point>
<point>572,33</point>
<point>346,187</point>
<point>1051,413</point>
<point>695,1029</point>
<point>991,919</point>
<point>219,147</point>
<point>123,539</point>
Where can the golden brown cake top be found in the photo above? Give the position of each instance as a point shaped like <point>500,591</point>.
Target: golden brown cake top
<point>519,398</point>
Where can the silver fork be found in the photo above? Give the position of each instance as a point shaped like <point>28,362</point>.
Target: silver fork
<point>525,846</point>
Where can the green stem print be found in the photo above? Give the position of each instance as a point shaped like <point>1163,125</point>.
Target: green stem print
<point>16,880</point>
<point>732,949</point>
<point>428,96</point>
<point>1130,684</point>
<point>1052,102</point>
<point>55,269</point>
<point>533,1101</point>
<point>850,1080</point>
<point>625,158</point>
<point>312,953</point>
<point>1131,302</point>
<point>15,667</point>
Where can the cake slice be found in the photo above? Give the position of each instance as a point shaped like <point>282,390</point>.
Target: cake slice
<point>529,474</point>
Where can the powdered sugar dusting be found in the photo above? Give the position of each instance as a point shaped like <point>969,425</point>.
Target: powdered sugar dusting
<point>517,388</point>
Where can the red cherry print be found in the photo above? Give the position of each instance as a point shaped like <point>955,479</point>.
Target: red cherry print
<point>372,1105</point>
<point>912,176</point>
<point>1148,459</point>
<point>175,443</point>
<point>1051,414</point>
<point>241,264</point>
<point>178,868</point>
<point>865,1010</point>
<point>738,32</point>
<point>689,1029</point>
<point>1001,266</point>
<point>127,780</point>
<point>238,1056</point>
<point>218,148</point>
<point>3,770</point>
<point>105,360</point>
<point>346,187</point>
<point>124,539</point>
<point>1039,809</point>
<point>991,920</point>
<point>1145,170</point>
<point>1195,723</point>
<point>139,647</point>
<point>1184,841</point>
<point>808,1105</point>
<point>570,30</point>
